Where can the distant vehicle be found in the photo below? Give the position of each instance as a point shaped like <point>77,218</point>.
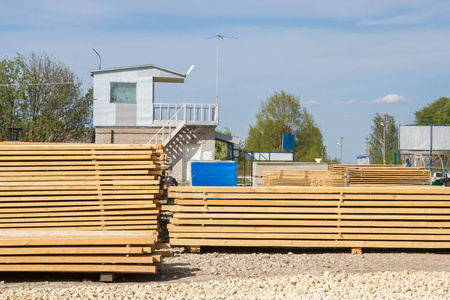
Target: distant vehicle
<point>440,178</point>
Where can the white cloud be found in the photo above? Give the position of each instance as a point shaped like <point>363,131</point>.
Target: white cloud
<point>310,103</point>
<point>348,102</point>
<point>392,98</point>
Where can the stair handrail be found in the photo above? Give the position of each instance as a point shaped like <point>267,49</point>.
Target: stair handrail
<point>168,125</point>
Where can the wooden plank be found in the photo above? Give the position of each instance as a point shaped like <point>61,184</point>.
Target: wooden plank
<point>289,223</point>
<point>148,164</point>
<point>309,243</point>
<point>62,198</point>
<point>78,152</point>
<point>311,190</point>
<point>101,218</point>
<point>75,178</point>
<point>108,277</point>
<point>97,228</point>
<point>191,216</point>
<point>82,182</point>
<point>78,233</point>
<point>182,203</point>
<point>306,229</point>
<point>59,146</point>
<point>72,213</point>
<point>78,259</point>
<point>80,204</point>
<point>14,172</point>
<point>100,250</point>
<point>53,157</point>
<point>84,207</point>
<point>78,268</point>
<point>311,209</point>
<point>100,223</point>
<point>105,191</point>
<point>311,236</point>
<point>77,187</point>
<point>70,168</point>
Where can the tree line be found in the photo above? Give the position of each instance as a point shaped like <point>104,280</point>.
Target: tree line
<point>434,113</point>
<point>43,97</point>
<point>282,113</point>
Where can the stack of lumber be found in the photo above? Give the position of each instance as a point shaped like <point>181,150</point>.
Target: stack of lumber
<point>339,175</point>
<point>296,177</point>
<point>80,207</point>
<point>355,217</point>
<point>387,175</point>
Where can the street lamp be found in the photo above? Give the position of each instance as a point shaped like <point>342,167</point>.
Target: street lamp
<point>340,144</point>
<point>384,139</point>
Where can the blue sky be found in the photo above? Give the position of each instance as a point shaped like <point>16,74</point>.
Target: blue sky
<point>345,60</point>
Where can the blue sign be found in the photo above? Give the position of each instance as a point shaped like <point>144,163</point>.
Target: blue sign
<point>289,144</point>
<point>363,159</point>
<point>288,141</point>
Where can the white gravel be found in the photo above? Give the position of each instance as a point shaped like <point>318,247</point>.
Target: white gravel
<point>381,285</point>
<point>255,273</point>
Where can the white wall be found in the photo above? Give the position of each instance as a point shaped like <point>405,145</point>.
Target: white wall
<point>105,112</point>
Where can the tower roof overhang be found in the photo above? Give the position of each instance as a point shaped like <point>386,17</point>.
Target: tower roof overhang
<point>158,73</point>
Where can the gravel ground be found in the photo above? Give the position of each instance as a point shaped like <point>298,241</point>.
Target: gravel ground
<point>259,273</point>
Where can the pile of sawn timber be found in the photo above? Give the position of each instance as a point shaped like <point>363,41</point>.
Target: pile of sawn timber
<point>293,177</point>
<point>386,175</point>
<point>80,207</point>
<point>349,175</point>
<point>354,217</point>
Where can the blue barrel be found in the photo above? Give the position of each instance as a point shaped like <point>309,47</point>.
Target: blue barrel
<point>214,173</point>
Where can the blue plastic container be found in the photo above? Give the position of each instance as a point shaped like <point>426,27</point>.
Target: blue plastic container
<point>214,173</point>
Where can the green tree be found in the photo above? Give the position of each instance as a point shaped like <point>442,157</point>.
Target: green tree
<point>282,114</point>
<point>12,93</point>
<point>46,99</point>
<point>221,147</point>
<point>435,113</point>
<point>376,139</point>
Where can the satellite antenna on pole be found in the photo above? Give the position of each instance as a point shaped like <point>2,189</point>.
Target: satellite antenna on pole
<point>219,37</point>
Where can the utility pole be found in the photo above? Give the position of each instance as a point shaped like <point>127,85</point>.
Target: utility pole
<point>384,140</point>
<point>367,146</point>
<point>342,142</point>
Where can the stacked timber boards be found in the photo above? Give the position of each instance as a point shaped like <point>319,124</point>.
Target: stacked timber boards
<point>387,175</point>
<point>349,175</point>
<point>80,207</point>
<point>396,217</point>
<point>292,177</point>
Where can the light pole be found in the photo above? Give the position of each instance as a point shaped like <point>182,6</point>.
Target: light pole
<point>384,140</point>
<point>340,144</point>
<point>367,146</point>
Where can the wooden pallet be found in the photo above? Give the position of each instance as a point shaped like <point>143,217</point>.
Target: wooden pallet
<point>396,217</point>
<point>107,196</point>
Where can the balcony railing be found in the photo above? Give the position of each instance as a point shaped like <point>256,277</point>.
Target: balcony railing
<point>190,113</point>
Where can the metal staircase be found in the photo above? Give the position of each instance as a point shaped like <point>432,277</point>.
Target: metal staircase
<point>168,130</point>
<point>173,117</point>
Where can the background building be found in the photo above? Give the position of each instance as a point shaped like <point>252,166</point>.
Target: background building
<point>125,111</point>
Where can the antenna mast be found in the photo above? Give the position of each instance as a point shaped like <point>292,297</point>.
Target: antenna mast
<point>219,37</point>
